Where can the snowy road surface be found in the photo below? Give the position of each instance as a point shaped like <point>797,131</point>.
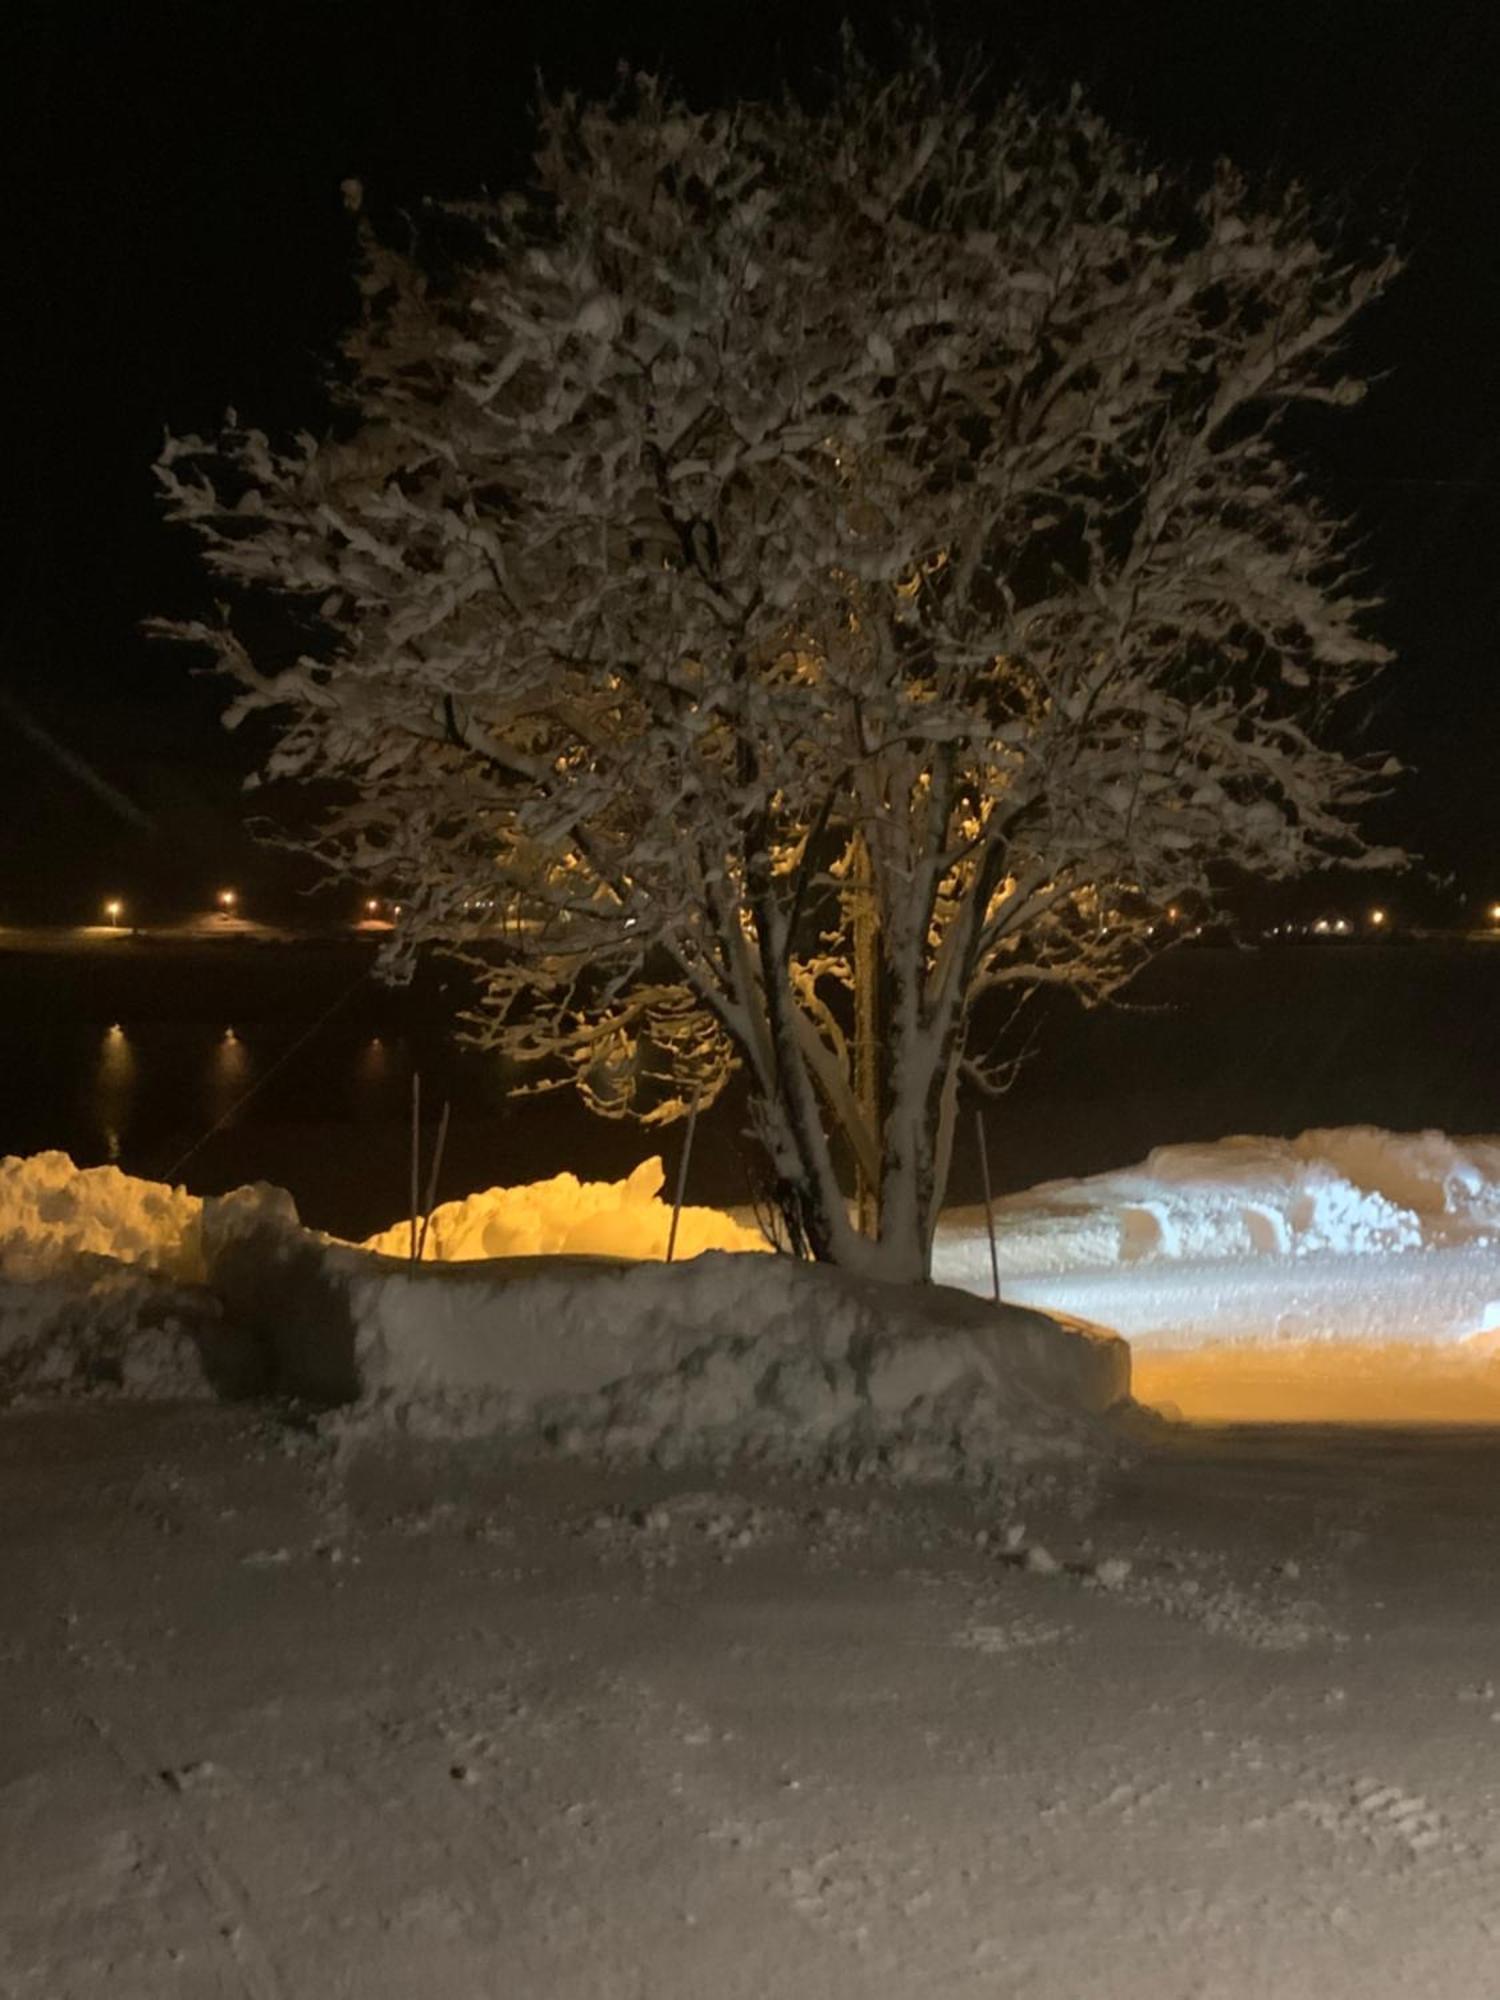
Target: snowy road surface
<point>419,1726</point>
<point>1432,1295</point>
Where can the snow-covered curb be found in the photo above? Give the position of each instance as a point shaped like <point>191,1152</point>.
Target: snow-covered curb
<point>725,1356</point>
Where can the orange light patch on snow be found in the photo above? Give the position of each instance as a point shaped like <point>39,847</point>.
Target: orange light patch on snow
<point>1322,1382</point>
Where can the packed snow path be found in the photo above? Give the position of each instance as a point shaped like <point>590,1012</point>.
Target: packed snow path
<point>412,1724</point>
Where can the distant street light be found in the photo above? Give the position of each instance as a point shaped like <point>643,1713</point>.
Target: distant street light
<point>114,909</point>
<point>227,901</point>
<point>1377,918</point>
<point>372,906</point>
<point>1494,913</point>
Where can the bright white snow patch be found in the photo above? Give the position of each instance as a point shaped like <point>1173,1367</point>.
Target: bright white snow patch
<point>1347,1275</point>
<point>1350,1192</point>
<point>567,1217</point>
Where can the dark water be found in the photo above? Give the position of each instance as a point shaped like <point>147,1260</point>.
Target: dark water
<point>135,1055</point>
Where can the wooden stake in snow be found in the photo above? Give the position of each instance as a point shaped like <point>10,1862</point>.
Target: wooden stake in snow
<point>416,1147</point>
<point>432,1179</point>
<point>989,1211</point>
<point>682,1173</point>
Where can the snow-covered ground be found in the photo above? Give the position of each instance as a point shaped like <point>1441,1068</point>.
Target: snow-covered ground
<point>369,1708</point>
<point>298,1719</point>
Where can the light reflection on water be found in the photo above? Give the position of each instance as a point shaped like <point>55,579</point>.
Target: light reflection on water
<point>372,1065</point>
<point>229,1074</point>
<point>114,1088</point>
<point>148,1090</point>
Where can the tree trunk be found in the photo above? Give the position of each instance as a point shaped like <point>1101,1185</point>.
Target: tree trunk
<point>867,1051</point>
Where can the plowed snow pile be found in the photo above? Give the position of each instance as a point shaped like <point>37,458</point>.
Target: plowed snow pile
<point>566,1217</point>
<point>1339,1245</point>
<point>53,1215</point>
<point>1346,1275</point>
<point>725,1359</point>
<point>1354,1192</point>
<point>101,1282</point>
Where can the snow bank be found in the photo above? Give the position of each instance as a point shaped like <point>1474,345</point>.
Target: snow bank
<point>98,1268</point>
<point>568,1217</point>
<point>104,1285</point>
<point>119,1332</point>
<point>1337,1236</point>
<point>1451,1185</point>
<point>722,1357</point>
<point>52,1214</point>
<point>726,1354</point>
<point>1349,1192</point>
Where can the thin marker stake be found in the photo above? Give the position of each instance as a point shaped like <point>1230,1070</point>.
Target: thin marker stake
<point>989,1211</point>
<point>416,1143</point>
<point>682,1173</point>
<point>432,1180</point>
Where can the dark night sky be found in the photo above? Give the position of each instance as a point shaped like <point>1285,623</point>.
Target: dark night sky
<point>177,244</point>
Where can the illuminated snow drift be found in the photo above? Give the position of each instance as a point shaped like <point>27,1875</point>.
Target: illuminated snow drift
<point>1345,1235</point>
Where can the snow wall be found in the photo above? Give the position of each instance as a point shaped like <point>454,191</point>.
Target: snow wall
<point>726,1356</point>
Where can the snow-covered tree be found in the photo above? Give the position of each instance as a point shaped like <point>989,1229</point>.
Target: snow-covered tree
<point>791,577</point>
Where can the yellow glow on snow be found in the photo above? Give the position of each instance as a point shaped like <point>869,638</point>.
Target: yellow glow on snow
<point>1323,1382</point>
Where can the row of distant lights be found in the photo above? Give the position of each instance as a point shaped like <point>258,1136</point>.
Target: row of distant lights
<point>1377,919</point>
<point>228,901</point>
